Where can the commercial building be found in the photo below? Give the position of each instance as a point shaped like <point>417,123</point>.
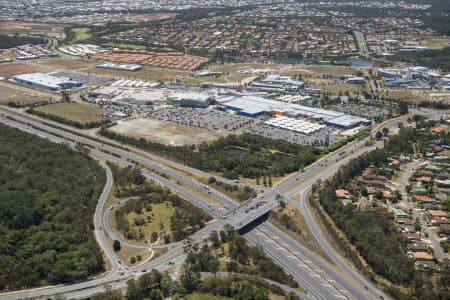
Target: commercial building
<point>120,67</point>
<point>296,125</point>
<point>347,121</point>
<point>47,82</point>
<point>277,83</point>
<point>355,80</point>
<point>190,99</point>
<point>253,106</point>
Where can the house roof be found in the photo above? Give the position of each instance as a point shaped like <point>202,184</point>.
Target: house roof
<point>341,193</point>
<point>395,162</point>
<point>399,213</point>
<point>417,246</point>
<point>437,129</point>
<point>424,178</point>
<point>438,213</point>
<point>411,236</point>
<point>387,195</point>
<point>422,256</point>
<point>423,198</point>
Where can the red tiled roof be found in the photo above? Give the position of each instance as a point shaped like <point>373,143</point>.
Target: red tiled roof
<point>423,198</point>
<point>422,256</point>
<point>438,213</point>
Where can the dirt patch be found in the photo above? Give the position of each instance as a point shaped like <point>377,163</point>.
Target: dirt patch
<point>126,253</point>
<point>165,132</point>
<point>21,96</point>
<point>30,27</point>
<point>12,69</point>
<point>154,17</point>
<point>89,66</point>
<point>67,64</point>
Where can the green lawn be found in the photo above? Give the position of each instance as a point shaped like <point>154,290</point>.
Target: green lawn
<point>81,34</point>
<point>78,112</point>
<point>126,46</point>
<point>201,296</point>
<point>161,214</point>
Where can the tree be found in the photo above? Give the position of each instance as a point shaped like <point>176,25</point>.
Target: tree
<point>154,236</point>
<point>211,180</point>
<point>189,281</point>
<point>214,239</point>
<point>116,245</point>
<point>156,294</point>
<point>166,285</point>
<point>133,260</point>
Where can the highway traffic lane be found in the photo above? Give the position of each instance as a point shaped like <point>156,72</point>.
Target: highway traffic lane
<point>333,275</point>
<point>306,276</point>
<point>169,253</point>
<point>98,220</point>
<point>129,156</point>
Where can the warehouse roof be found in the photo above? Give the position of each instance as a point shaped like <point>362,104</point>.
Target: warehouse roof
<point>45,79</point>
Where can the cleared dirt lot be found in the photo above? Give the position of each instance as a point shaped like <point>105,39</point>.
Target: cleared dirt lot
<point>78,112</point>
<point>89,66</point>
<point>30,27</point>
<point>164,132</point>
<point>11,69</point>
<point>22,96</point>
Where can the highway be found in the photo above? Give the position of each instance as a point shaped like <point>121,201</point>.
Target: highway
<point>239,217</point>
<point>92,286</point>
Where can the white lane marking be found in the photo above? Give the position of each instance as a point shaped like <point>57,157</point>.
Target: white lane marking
<point>326,284</point>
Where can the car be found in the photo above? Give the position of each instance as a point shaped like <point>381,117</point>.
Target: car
<point>111,207</point>
<point>144,270</point>
<point>224,217</point>
<point>247,211</point>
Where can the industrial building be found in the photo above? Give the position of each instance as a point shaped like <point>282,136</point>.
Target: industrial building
<point>389,73</point>
<point>296,125</point>
<point>355,80</point>
<point>190,99</point>
<point>253,106</point>
<point>47,82</point>
<point>347,122</point>
<point>125,92</point>
<point>120,67</point>
<point>277,84</point>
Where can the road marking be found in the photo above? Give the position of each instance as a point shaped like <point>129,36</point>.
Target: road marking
<point>344,291</point>
<point>331,280</point>
<point>339,296</point>
<point>290,256</point>
<point>314,275</point>
<point>295,252</point>
<point>308,261</point>
<point>326,284</point>
<point>285,245</point>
